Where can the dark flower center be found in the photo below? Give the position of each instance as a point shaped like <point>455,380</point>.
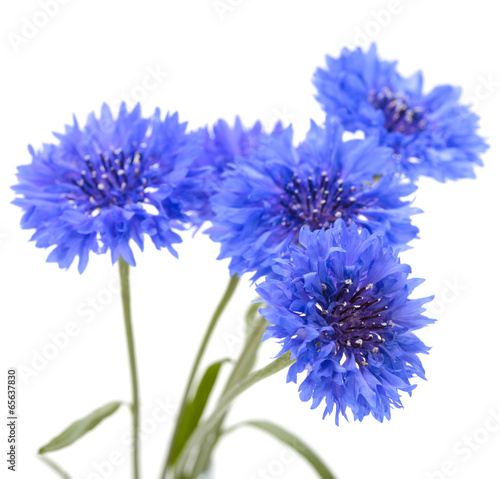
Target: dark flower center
<point>399,117</point>
<point>113,179</point>
<point>358,320</point>
<point>317,202</point>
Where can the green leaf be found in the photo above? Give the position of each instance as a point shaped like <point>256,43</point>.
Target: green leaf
<point>80,428</point>
<point>256,325</point>
<point>253,378</point>
<point>252,316</point>
<point>194,409</point>
<point>55,467</point>
<point>231,287</point>
<point>294,442</point>
<point>211,424</point>
<point>245,363</point>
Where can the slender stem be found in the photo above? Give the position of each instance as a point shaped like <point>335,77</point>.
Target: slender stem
<point>245,362</point>
<point>241,369</point>
<point>61,472</point>
<point>231,287</point>
<point>125,287</point>
<point>203,430</point>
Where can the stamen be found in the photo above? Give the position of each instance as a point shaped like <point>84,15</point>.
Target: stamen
<point>399,116</point>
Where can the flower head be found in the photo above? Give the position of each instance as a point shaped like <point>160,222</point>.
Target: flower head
<point>219,147</point>
<point>113,181</point>
<point>431,134</point>
<point>266,198</point>
<point>340,304</point>
<point>225,143</point>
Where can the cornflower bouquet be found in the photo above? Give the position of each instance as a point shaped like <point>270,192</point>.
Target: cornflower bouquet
<point>318,224</point>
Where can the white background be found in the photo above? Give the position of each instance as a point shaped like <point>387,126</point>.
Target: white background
<point>253,58</point>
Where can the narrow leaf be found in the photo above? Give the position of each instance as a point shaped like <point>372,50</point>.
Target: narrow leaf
<point>194,409</point>
<point>241,369</point>
<point>294,442</point>
<point>252,316</point>
<point>80,428</point>
<point>246,382</point>
<point>231,287</point>
<point>57,469</point>
<point>226,400</point>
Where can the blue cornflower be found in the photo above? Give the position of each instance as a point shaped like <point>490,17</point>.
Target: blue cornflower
<point>220,146</point>
<point>225,143</point>
<point>265,199</point>
<point>431,134</point>
<point>340,304</point>
<point>113,181</point>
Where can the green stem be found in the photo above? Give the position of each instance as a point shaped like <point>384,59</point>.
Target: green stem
<point>61,472</point>
<point>125,289</point>
<point>203,430</point>
<point>231,287</point>
<point>242,368</point>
